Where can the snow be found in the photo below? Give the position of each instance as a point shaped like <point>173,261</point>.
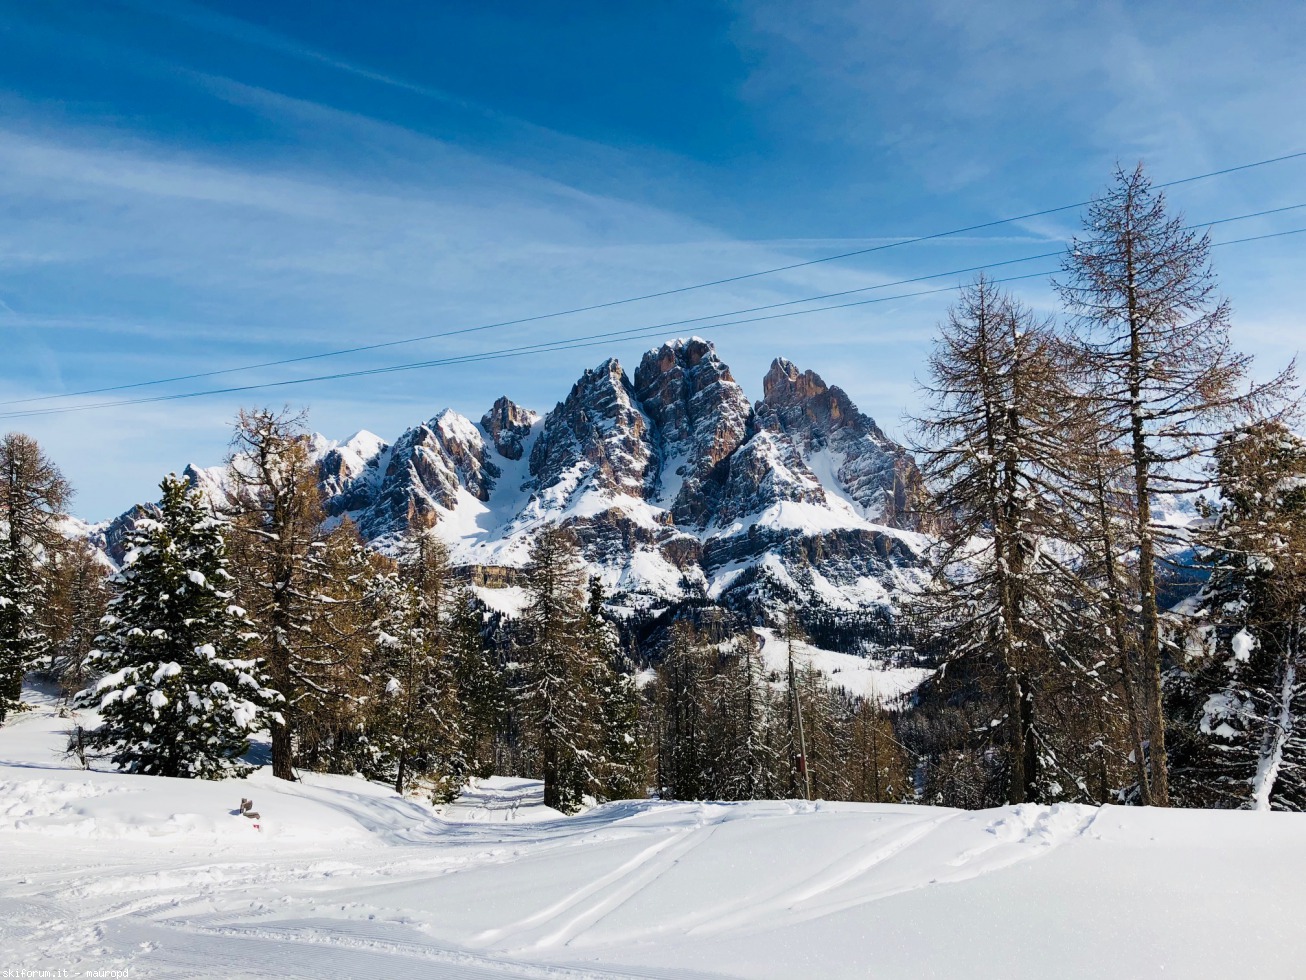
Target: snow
<point>1243,644</point>
<point>510,600</point>
<point>861,677</point>
<point>342,878</point>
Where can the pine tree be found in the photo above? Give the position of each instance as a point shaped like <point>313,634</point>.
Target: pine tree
<point>877,769</point>
<point>684,748</point>
<point>1236,703</point>
<point>332,668</point>
<point>180,693</point>
<point>617,749</point>
<point>33,494</point>
<point>415,721</point>
<point>305,589</point>
<point>482,690</point>
<point>742,718</point>
<point>1163,384</point>
<point>556,700</point>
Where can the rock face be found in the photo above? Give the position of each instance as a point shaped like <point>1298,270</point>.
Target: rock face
<point>702,416</point>
<point>598,435</point>
<point>507,424</point>
<point>877,473</point>
<point>676,486</point>
<point>412,483</point>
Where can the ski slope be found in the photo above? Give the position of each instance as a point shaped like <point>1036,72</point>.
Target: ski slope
<point>345,879</point>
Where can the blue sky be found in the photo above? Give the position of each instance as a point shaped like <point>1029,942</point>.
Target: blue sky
<point>187,187</point>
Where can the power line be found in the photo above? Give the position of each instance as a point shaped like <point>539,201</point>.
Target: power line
<point>572,343</point>
<point>647,296</point>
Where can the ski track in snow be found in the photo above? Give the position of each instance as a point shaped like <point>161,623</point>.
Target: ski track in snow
<point>107,871</point>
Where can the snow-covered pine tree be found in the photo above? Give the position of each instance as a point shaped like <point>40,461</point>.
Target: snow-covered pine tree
<point>414,717</point>
<point>1237,703</point>
<point>556,699</point>
<point>180,693</point>
<point>619,764</point>
<point>33,494</point>
<point>683,704</point>
<point>331,668</point>
<point>482,691</point>
<point>743,717</point>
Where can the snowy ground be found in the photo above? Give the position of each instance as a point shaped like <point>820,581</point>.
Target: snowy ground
<point>101,871</point>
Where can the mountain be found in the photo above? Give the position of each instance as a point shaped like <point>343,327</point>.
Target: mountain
<point>676,485</point>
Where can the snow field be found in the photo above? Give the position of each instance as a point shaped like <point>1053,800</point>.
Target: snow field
<point>101,870</point>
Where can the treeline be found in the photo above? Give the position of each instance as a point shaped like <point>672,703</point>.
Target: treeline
<point>1052,447</point>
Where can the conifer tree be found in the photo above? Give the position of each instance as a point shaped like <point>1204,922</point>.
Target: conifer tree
<point>556,699</point>
<point>305,589</point>
<point>79,595</point>
<point>333,664</point>
<point>33,494</point>
<point>181,692</point>
<point>482,690</point>
<point>415,720</point>
<point>1237,701</point>
<point>617,749</point>
<point>1164,384</point>
<point>993,455</point>
<point>877,769</point>
<point>741,737</point>
<point>684,751</point>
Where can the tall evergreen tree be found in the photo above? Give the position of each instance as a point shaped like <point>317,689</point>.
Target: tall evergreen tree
<point>33,494</point>
<point>79,595</point>
<point>482,689</point>
<point>180,692</point>
<point>415,722</point>
<point>618,753</point>
<point>289,583</point>
<point>683,705</point>
<point>556,699</point>
<point>1237,703</point>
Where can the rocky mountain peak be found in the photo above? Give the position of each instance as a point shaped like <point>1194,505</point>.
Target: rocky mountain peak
<point>808,408</point>
<point>702,416</point>
<point>879,475</point>
<point>507,424</point>
<point>598,431</point>
<point>422,473</point>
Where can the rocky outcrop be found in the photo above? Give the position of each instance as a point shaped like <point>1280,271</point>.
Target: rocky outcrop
<point>422,475</point>
<point>507,425</point>
<point>598,435</point>
<point>702,416</point>
<point>349,473</point>
<point>766,470</point>
<point>875,472</point>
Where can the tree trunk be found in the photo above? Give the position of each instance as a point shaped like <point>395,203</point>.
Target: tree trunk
<point>283,761</point>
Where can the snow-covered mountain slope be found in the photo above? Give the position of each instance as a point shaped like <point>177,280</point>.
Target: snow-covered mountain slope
<point>101,871</point>
<point>674,483</point>
<point>861,677</point>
